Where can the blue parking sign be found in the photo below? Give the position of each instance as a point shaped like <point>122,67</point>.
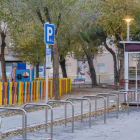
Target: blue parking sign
<point>49,32</point>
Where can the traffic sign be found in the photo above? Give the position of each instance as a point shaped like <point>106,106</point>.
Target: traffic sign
<point>49,32</point>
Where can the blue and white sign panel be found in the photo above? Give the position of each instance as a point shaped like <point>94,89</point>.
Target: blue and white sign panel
<point>49,33</point>
<point>48,58</point>
<point>48,51</point>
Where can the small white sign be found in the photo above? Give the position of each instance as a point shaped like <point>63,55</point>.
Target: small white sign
<point>48,58</point>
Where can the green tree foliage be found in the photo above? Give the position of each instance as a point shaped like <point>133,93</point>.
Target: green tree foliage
<point>4,19</point>
<point>92,45</point>
<point>28,44</point>
<point>30,15</point>
<point>111,15</point>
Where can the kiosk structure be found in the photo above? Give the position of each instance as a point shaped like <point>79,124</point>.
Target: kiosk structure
<point>129,48</point>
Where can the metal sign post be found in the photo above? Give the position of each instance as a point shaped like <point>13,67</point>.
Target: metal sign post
<point>47,76</point>
<point>49,32</point>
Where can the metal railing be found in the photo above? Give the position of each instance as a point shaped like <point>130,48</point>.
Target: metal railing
<point>101,78</point>
<point>24,123</point>
<point>109,94</point>
<point>96,96</point>
<point>46,114</point>
<point>60,101</point>
<point>81,99</point>
<point>85,97</point>
<point>0,122</point>
<point>131,90</point>
<point>138,99</point>
<point>122,92</point>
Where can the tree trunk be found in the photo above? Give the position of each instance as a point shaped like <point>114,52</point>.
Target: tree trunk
<point>55,52</point>
<point>3,36</point>
<point>121,55</point>
<point>122,66</point>
<point>3,70</point>
<point>56,71</point>
<point>37,70</point>
<point>63,66</point>
<point>92,69</point>
<point>116,74</point>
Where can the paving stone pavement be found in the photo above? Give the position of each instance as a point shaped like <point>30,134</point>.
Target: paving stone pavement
<point>38,117</point>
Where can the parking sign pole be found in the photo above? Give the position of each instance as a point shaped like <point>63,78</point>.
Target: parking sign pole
<point>47,46</point>
<point>49,32</point>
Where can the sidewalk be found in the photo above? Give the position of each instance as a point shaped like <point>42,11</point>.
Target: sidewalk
<point>126,127</point>
<point>36,118</point>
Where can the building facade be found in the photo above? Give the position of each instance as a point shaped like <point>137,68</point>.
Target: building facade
<point>75,67</point>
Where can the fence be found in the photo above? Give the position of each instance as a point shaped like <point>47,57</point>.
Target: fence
<point>131,89</point>
<point>8,79</point>
<point>101,78</point>
<point>20,92</point>
<point>64,84</point>
<point>41,79</point>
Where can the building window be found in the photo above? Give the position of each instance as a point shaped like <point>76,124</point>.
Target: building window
<point>68,67</point>
<point>101,67</point>
<point>9,67</point>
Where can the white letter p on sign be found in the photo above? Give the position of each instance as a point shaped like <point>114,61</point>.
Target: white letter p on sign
<point>49,32</point>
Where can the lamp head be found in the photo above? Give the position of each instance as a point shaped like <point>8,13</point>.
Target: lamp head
<point>128,19</point>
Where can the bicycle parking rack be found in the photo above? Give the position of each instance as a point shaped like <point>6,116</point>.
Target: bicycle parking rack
<point>81,99</point>
<point>96,96</point>
<point>46,114</point>
<point>109,94</point>
<point>60,101</point>
<point>122,92</point>
<point>24,130</point>
<point>0,122</point>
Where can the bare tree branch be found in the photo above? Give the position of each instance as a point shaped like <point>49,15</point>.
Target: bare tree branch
<point>58,24</point>
<point>46,11</point>
<point>40,16</point>
<point>0,27</point>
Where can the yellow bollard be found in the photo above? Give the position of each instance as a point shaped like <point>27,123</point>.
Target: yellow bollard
<point>0,93</point>
<point>37,92</point>
<point>19,97</point>
<point>60,90</point>
<point>25,91</point>
<point>66,86</point>
<point>31,90</point>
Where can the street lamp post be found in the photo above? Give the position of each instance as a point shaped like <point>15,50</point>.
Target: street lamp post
<point>128,21</point>
<point>127,31</point>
